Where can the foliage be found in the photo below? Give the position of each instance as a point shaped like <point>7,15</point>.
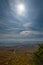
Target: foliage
<point>38,56</point>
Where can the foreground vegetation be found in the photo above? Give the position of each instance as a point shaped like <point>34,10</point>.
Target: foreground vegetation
<point>7,57</point>
<point>38,56</point>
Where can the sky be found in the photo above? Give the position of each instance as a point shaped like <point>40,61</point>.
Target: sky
<point>21,21</point>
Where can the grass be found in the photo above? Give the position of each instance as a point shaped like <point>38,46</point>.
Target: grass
<point>9,58</point>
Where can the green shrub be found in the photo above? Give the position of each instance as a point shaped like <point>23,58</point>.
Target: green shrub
<point>38,56</point>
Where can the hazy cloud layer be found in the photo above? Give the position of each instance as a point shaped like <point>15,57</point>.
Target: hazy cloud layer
<point>27,27</point>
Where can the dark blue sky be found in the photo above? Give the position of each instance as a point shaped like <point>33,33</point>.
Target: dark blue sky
<point>21,27</point>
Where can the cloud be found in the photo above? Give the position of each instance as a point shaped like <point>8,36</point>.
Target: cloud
<point>9,36</point>
<point>31,32</point>
<point>27,24</point>
<point>17,28</point>
<point>22,36</point>
<point>25,32</point>
<point>22,40</point>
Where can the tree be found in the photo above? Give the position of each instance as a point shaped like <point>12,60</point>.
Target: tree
<point>38,56</point>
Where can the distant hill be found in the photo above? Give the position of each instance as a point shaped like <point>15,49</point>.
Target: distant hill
<point>20,47</point>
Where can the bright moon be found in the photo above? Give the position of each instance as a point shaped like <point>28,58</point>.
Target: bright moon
<point>20,9</point>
